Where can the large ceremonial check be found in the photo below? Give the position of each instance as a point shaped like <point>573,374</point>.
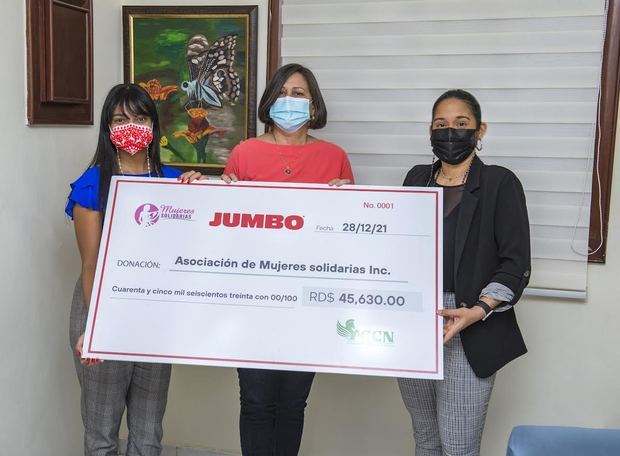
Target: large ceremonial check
<point>277,276</point>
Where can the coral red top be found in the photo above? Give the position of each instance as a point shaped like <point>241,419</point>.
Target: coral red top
<point>315,163</point>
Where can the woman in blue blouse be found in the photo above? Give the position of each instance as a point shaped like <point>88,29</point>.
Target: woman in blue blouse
<point>128,145</point>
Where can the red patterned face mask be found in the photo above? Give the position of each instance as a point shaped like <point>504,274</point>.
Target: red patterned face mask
<point>131,137</point>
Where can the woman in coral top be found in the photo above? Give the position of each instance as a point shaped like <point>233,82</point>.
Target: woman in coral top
<point>272,402</point>
<point>291,105</point>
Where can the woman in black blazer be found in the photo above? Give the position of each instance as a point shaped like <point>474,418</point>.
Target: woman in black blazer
<point>486,268</point>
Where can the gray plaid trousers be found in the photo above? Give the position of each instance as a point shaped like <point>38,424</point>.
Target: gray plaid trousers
<point>448,415</point>
<point>109,387</point>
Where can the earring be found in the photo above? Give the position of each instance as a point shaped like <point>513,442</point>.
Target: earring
<point>479,145</point>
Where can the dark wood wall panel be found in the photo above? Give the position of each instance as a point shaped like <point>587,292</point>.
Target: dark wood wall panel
<point>60,61</point>
<point>273,37</point>
<point>606,140</point>
<point>68,55</point>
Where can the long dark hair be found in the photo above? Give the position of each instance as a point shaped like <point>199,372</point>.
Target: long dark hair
<point>133,100</point>
<point>272,93</point>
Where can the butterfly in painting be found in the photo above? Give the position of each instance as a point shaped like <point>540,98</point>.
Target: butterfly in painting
<point>211,70</point>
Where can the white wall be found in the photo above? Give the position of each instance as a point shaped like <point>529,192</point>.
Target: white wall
<point>39,265</point>
<point>569,377</point>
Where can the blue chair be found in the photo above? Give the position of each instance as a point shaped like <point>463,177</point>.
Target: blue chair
<point>563,441</point>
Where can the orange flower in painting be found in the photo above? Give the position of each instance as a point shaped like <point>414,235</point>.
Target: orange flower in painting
<point>157,91</point>
<point>196,113</point>
<point>198,126</point>
<point>194,137</point>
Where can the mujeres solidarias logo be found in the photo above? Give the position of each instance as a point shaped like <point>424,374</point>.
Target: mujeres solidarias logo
<point>146,214</point>
<point>364,336</point>
<point>149,214</point>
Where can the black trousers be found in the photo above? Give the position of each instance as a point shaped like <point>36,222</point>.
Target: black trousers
<point>272,411</point>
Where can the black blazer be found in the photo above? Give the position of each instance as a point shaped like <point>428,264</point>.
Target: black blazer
<point>492,245</point>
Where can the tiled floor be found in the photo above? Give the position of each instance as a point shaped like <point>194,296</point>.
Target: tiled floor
<point>172,451</point>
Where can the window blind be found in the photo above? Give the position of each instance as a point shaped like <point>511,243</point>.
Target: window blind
<point>533,65</point>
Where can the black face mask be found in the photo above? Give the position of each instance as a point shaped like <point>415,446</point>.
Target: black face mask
<point>453,145</point>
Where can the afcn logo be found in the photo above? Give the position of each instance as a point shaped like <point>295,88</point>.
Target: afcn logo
<point>146,214</point>
<point>353,335</point>
<point>267,221</point>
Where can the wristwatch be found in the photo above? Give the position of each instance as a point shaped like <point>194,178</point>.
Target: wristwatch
<point>487,308</point>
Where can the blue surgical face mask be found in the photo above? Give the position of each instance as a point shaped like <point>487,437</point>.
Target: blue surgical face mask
<point>290,113</point>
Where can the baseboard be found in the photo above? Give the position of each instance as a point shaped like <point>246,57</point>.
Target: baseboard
<point>181,451</point>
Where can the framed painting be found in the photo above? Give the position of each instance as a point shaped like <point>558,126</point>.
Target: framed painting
<point>198,63</point>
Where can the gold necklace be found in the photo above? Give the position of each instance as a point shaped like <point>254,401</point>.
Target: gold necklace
<point>287,165</point>
<point>450,179</point>
<point>445,176</point>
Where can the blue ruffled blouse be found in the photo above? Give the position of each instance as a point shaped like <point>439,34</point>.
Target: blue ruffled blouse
<point>85,189</point>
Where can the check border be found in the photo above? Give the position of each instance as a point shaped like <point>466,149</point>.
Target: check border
<point>269,362</point>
